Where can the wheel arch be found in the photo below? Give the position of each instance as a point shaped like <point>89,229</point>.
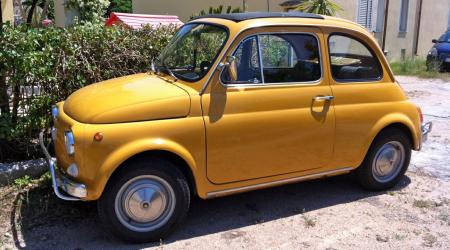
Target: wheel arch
<point>175,159</point>
<point>398,121</point>
<point>159,148</point>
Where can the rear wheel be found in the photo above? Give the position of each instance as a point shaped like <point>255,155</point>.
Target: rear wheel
<point>387,160</point>
<point>145,201</point>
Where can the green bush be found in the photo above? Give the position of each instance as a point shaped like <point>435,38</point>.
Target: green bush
<point>416,66</point>
<point>41,66</point>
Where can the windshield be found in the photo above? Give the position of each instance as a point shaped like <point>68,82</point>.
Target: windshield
<point>192,51</point>
<point>445,37</point>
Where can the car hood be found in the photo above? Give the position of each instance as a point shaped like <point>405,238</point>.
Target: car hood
<point>139,97</point>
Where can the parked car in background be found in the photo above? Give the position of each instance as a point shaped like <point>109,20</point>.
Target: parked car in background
<point>234,103</point>
<point>439,55</point>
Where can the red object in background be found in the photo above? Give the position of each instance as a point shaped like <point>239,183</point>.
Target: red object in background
<point>46,22</point>
<point>136,21</point>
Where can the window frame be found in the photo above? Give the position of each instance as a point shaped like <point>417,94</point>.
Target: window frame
<point>371,51</point>
<point>265,84</point>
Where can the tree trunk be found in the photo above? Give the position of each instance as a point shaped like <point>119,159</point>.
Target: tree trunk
<point>1,17</point>
<point>4,102</point>
<point>31,12</point>
<point>45,10</point>
<point>15,104</point>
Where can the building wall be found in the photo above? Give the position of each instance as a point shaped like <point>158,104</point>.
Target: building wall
<point>435,16</point>
<point>349,11</point>
<point>184,9</point>
<point>396,41</point>
<point>7,10</point>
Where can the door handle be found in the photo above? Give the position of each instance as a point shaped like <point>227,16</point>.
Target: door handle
<point>323,98</point>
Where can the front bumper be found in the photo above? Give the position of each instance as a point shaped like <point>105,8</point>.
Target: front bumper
<point>426,129</point>
<point>72,191</point>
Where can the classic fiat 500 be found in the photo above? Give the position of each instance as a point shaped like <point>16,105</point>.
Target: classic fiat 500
<point>234,103</point>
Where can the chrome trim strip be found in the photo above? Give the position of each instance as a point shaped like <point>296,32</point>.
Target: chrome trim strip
<point>275,183</point>
<point>261,67</point>
<point>59,181</point>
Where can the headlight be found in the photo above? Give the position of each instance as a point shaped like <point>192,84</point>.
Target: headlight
<point>55,112</point>
<point>70,142</point>
<point>433,52</point>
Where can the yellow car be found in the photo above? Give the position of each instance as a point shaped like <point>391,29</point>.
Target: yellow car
<point>234,103</point>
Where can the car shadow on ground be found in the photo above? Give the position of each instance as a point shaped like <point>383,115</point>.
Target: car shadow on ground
<point>42,221</point>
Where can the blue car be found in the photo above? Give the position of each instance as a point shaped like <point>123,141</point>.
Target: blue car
<point>439,55</point>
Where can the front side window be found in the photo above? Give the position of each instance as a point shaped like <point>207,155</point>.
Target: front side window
<point>192,51</point>
<point>247,63</point>
<point>352,61</point>
<point>290,58</point>
<point>280,58</point>
<point>445,37</point>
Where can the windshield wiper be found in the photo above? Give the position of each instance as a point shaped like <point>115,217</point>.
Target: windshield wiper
<point>167,69</point>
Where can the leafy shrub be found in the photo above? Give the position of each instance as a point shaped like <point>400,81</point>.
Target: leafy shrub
<point>89,10</point>
<point>217,10</point>
<point>417,66</point>
<point>39,67</point>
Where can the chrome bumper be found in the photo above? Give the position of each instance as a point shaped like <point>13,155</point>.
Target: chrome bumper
<point>75,191</point>
<point>426,129</point>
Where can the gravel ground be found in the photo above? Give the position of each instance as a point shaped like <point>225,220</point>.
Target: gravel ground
<point>332,213</point>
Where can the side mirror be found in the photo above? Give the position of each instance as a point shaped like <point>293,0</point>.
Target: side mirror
<point>434,41</point>
<point>229,66</point>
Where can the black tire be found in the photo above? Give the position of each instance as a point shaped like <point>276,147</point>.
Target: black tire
<point>162,169</point>
<point>365,173</point>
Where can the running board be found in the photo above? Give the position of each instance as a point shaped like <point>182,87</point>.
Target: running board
<point>276,183</point>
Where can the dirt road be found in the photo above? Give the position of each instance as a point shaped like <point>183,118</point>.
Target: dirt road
<point>332,213</point>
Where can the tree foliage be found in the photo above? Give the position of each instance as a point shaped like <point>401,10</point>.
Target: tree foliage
<point>42,9</point>
<point>88,10</point>
<point>124,6</point>
<point>322,7</point>
<point>217,10</point>
<point>41,66</point>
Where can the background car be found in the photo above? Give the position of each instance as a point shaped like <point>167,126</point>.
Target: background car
<point>439,55</point>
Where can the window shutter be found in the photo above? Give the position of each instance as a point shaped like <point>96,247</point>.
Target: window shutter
<point>366,13</point>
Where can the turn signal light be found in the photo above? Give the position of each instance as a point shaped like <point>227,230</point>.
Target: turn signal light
<point>420,114</point>
<point>98,136</point>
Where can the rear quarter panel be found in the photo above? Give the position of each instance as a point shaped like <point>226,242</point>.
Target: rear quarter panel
<point>363,109</point>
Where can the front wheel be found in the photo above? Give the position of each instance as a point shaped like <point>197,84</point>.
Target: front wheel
<point>386,162</point>
<point>145,201</point>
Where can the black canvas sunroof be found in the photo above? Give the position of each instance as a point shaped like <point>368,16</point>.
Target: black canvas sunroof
<point>238,17</point>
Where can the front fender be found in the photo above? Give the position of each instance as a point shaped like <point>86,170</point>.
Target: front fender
<point>121,154</point>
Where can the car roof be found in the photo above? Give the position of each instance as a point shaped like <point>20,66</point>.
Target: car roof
<point>239,17</point>
<point>240,21</point>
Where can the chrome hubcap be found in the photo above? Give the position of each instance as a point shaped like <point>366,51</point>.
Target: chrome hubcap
<point>145,203</point>
<point>388,161</point>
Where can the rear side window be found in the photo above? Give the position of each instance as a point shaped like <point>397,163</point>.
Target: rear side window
<point>352,61</point>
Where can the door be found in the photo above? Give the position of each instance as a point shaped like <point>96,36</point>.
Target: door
<point>277,116</point>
